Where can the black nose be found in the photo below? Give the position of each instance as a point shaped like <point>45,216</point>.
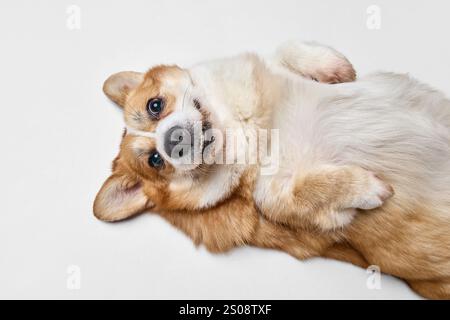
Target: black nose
<point>178,141</point>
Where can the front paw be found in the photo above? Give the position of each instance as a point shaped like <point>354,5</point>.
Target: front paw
<point>373,193</point>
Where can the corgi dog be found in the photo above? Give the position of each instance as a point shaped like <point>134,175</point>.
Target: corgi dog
<point>360,170</point>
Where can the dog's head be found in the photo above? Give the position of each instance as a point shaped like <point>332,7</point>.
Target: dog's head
<point>175,122</point>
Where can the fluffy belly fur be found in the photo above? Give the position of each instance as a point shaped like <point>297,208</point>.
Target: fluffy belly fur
<point>389,124</point>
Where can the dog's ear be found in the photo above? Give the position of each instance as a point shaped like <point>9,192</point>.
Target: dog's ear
<point>119,85</point>
<point>120,198</point>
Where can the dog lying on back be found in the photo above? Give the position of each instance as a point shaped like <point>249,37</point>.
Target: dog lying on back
<point>322,181</point>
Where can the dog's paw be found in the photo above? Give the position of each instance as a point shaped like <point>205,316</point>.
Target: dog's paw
<point>336,72</point>
<point>374,192</point>
<point>315,61</point>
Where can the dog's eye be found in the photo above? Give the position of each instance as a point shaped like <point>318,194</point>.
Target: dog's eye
<point>155,160</point>
<point>155,107</point>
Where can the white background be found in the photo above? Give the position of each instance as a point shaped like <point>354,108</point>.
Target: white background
<point>59,134</point>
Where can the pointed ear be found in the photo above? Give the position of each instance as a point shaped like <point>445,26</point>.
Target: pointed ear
<point>120,198</point>
<point>119,85</point>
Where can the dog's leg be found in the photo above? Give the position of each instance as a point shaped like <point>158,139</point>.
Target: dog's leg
<point>237,223</point>
<point>304,243</point>
<point>314,61</point>
<point>344,252</point>
<point>326,197</point>
<point>301,244</point>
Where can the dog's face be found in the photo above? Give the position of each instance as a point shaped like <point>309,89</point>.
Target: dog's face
<point>167,120</point>
<point>166,146</point>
